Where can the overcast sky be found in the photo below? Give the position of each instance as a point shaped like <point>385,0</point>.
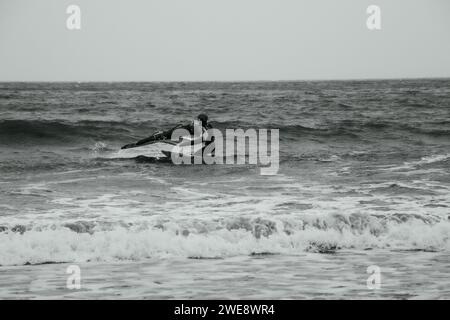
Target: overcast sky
<point>200,40</point>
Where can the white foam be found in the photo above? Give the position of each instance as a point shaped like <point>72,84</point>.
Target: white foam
<point>63,245</point>
<point>434,158</point>
<point>422,161</point>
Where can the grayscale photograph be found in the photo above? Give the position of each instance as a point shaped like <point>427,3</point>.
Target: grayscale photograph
<point>214,150</point>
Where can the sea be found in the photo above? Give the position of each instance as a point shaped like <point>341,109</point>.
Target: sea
<point>359,208</point>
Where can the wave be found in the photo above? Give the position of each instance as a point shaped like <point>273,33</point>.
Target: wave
<point>63,131</point>
<point>346,128</point>
<point>436,159</point>
<point>292,131</point>
<point>434,132</point>
<point>433,159</point>
<point>86,241</point>
<point>13,132</point>
<point>54,131</point>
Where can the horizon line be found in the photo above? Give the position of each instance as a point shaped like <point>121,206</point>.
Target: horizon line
<point>223,81</point>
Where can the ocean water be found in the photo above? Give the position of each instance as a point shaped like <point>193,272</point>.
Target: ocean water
<point>364,180</point>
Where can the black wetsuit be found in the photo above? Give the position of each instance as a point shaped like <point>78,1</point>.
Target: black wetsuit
<point>190,127</point>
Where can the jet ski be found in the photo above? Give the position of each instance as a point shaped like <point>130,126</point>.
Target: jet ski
<point>159,145</point>
<point>161,149</point>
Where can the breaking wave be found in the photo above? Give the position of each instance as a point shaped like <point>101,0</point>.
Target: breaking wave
<point>84,241</point>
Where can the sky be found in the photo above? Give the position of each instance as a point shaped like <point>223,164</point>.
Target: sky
<point>223,40</point>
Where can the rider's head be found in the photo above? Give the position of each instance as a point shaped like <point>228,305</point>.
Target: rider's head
<point>203,118</point>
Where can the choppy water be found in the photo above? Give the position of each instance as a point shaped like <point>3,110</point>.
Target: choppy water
<point>364,179</point>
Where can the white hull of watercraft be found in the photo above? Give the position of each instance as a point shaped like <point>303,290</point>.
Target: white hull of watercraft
<point>155,150</point>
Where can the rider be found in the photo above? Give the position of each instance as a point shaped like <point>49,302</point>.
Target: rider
<point>202,120</point>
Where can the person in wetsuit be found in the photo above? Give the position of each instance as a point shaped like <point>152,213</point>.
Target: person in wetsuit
<point>202,120</point>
